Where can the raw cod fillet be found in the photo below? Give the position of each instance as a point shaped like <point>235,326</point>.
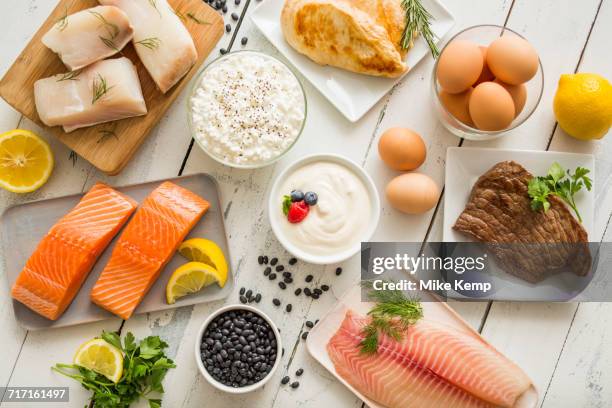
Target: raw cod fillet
<point>58,267</point>
<point>145,246</point>
<point>162,42</point>
<point>434,365</point>
<point>90,35</point>
<point>105,91</point>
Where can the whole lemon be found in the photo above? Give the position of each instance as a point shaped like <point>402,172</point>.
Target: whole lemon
<point>583,105</point>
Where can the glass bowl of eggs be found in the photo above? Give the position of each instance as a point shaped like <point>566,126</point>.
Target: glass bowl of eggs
<point>487,81</point>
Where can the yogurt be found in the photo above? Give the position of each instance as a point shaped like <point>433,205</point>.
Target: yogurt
<point>247,109</point>
<point>340,219</point>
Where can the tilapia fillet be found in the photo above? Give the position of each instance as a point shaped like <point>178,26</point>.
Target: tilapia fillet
<point>434,365</point>
<point>104,91</point>
<point>148,242</point>
<point>162,42</point>
<point>58,267</point>
<point>89,35</point>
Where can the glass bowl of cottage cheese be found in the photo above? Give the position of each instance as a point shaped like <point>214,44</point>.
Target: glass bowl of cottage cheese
<point>247,109</point>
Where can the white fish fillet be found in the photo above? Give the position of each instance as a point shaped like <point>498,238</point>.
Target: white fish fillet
<point>105,91</point>
<point>82,38</point>
<point>162,42</point>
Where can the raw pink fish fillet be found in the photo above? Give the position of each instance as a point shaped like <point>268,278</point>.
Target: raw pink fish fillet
<point>434,365</point>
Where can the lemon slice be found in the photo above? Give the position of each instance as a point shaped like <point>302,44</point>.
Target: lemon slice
<point>191,278</point>
<point>206,251</point>
<point>101,357</point>
<point>26,161</point>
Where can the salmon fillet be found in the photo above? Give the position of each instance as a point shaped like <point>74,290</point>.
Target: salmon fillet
<point>58,267</point>
<point>148,242</point>
<point>434,365</point>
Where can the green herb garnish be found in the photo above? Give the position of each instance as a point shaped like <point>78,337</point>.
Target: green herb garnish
<point>145,365</point>
<point>151,43</point>
<point>70,76</point>
<point>286,204</point>
<point>62,22</point>
<point>558,182</point>
<point>111,29</point>
<point>99,88</point>
<point>418,21</point>
<point>153,4</point>
<point>196,19</point>
<point>392,314</point>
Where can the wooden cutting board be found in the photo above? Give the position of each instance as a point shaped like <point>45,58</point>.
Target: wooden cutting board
<point>107,146</point>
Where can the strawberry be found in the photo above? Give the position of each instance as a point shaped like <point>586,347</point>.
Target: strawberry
<point>297,212</point>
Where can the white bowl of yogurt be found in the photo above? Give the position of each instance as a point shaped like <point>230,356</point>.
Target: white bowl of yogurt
<point>246,109</point>
<point>345,214</point>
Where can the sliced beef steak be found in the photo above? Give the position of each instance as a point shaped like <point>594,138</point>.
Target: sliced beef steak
<point>531,245</point>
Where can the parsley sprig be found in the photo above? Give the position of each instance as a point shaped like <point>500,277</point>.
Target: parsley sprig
<point>561,183</point>
<point>145,365</point>
<point>392,314</point>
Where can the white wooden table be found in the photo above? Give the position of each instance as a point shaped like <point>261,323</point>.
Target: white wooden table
<point>565,348</point>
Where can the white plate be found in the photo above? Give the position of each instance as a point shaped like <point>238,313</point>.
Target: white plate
<point>319,336</point>
<point>352,94</point>
<point>465,165</point>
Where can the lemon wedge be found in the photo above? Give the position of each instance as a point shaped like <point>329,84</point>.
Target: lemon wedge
<point>101,357</point>
<point>26,161</point>
<point>191,278</point>
<point>205,251</point>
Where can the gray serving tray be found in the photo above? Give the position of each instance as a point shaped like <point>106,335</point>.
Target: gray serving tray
<point>23,226</point>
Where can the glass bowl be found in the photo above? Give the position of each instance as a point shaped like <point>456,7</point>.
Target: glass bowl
<point>192,129</point>
<point>485,35</point>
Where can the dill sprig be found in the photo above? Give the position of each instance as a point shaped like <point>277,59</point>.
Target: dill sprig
<point>99,88</point>
<point>151,43</point>
<point>392,314</point>
<point>62,22</point>
<point>196,19</point>
<point>111,29</point>
<point>70,76</point>
<point>418,21</point>
<point>153,4</point>
<point>109,43</point>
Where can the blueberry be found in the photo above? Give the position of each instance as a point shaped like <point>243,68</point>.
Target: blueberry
<point>297,195</point>
<point>311,198</point>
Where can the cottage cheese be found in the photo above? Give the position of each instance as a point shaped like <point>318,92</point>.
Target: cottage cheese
<point>247,109</point>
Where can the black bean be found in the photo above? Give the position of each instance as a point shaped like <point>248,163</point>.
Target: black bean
<point>265,259</point>
<point>244,39</point>
<point>243,299</point>
<point>338,271</point>
<point>272,276</point>
<point>282,285</point>
<point>309,278</point>
<point>267,271</point>
<point>249,293</point>
<point>235,17</point>
<point>273,261</point>
<point>288,308</point>
<point>298,291</point>
<point>237,2</point>
<point>228,28</point>
<point>223,51</point>
<point>258,298</point>
<point>295,384</point>
<point>276,302</point>
<point>309,324</point>
<point>287,274</point>
<point>292,261</point>
<point>315,296</point>
<point>279,268</point>
<point>260,259</point>
<point>307,291</point>
<point>318,291</point>
<point>299,372</point>
<point>304,335</point>
<point>285,380</point>
<point>242,290</point>
<point>325,287</point>
<point>288,280</point>
<point>224,9</point>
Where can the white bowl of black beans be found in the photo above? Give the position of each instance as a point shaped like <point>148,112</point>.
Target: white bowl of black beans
<point>238,349</point>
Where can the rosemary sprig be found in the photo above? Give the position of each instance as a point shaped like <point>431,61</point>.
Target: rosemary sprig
<point>196,19</point>
<point>62,22</point>
<point>418,21</point>
<point>151,43</point>
<point>70,76</point>
<point>99,88</point>
<point>392,314</point>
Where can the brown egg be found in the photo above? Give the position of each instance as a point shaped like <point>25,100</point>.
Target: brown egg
<point>459,66</point>
<point>458,105</point>
<point>491,107</point>
<point>518,94</point>
<point>402,149</point>
<point>485,74</point>
<point>412,193</point>
<point>512,59</point>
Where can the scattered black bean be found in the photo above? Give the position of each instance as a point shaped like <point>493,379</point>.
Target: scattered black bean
<point>242,291</point>
<point>237,2</point>
<point>315,296</point>
<point>292,261</point>
<point>249,293</point>
<point>235,17</point>
<point>244,39</point>
<point>228,28</point>
<point>299,372</point>
<point>309,278</point>
<point>258,298</point>
<point>298,291</point>
<point>304,335</point>
<point>243,299</point>
<point>282,285</point>
<point>280,268</point>
<point>309,324</point>
<point>295,384</point>
<point>276,302</point>
<point>272,276</point>
<point>325,287</point>
<point>287,274</point>
<point>338,271</point>
<point>285,380</point>
<point>267,271</point>
<point>288,308</point>
<point>318,291</point>
<point>288,280</point>
<point>307,291</point>
<point>265,259</point>
<point>224,9</point>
